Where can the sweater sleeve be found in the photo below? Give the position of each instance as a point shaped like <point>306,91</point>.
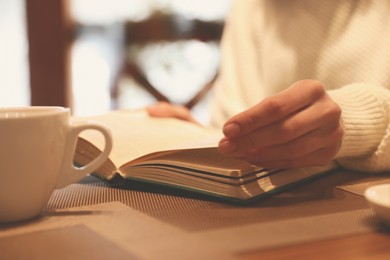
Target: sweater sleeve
<point>365,118</point>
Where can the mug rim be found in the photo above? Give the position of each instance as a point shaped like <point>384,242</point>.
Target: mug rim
<point>30,111</point>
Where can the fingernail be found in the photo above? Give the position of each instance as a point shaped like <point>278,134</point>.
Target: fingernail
<point>227,146</point>
<point>231,130</point>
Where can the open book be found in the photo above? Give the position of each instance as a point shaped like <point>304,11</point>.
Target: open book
<point>181,155</point>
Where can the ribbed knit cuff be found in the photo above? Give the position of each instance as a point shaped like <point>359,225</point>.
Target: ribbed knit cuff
<point>364,118</point>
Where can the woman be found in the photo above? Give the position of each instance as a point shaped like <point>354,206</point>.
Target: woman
<point>304,82</point>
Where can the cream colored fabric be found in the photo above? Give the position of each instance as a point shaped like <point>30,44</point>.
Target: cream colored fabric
<point>269,44</point>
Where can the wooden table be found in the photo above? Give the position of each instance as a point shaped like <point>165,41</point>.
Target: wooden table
<point>92,221</point>
<point>366,246</point>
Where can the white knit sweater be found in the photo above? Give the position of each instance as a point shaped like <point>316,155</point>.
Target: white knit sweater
<point>269,44</point>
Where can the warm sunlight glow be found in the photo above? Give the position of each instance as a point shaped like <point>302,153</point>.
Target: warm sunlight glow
<point>106,12</point>
<point>14,87</point>
<point>91,77</point>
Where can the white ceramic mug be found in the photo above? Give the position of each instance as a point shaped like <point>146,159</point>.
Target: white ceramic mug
<point>36,156</point>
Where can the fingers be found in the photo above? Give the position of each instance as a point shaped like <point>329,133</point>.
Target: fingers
<point>297,152</point>
<point>298,127</point>
<point>323,116</point>
<point>164,109</point>
<point>270,110</point>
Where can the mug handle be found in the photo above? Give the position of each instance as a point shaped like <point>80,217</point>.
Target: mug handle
<point>69,173</point>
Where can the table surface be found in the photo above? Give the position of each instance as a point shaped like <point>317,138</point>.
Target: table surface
<point>313,220</point>
<point>365,246</point>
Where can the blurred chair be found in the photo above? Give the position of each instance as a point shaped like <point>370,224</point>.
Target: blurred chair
<point>51,32</point>
<point>166,28</point>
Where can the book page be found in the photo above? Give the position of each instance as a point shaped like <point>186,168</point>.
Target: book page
<point>136,134</point>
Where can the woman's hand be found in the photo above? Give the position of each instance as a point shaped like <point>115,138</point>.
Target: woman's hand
<point>297,128</point>
<point>165,109</point>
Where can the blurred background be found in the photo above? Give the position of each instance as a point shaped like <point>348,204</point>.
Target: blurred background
<point>99,55</point>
